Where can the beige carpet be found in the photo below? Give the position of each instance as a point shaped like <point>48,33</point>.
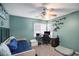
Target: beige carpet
<point>46,50</point>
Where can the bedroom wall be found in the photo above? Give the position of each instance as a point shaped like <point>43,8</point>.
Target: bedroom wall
<point>23,27</point>
<point>69,32</point>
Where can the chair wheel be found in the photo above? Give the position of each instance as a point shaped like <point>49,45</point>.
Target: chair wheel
<point>36,54</point>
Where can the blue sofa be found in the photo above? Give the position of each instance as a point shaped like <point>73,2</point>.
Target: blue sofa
<point>22,45</point>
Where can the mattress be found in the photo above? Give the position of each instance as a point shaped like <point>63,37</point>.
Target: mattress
<point>65,51</point>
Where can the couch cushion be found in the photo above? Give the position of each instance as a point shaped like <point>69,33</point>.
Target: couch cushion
<point>13,44</point>
<point>64,50</point>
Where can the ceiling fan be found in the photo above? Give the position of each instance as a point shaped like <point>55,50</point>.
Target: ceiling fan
<point>44,12</point>
<point>48,12</point>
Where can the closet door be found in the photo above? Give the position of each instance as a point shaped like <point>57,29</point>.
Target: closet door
<point>5,34</point>
<point>0,35</point>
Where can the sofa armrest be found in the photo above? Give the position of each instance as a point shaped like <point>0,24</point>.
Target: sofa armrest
<point>26,53</point>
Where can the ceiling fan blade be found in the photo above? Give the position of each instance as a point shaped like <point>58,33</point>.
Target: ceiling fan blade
<point>58,9</point>
<point>51,9</point>
<point>39,9</point>
<point>54,15</point>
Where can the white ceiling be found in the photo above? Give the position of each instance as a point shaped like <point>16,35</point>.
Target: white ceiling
<point>33,10</point>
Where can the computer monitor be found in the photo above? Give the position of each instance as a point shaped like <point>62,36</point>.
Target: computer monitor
<point>47,32</point>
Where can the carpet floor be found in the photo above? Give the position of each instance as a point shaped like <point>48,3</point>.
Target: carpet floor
<point>47,50</point>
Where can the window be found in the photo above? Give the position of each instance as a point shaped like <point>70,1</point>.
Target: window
<point>50,28</point>
<point>39,28</point>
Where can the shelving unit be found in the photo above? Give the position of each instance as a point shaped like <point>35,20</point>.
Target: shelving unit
<point>4,24</point>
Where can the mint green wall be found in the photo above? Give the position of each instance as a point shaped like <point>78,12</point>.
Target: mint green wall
<point>69,32</point>
<point>23,27</point>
